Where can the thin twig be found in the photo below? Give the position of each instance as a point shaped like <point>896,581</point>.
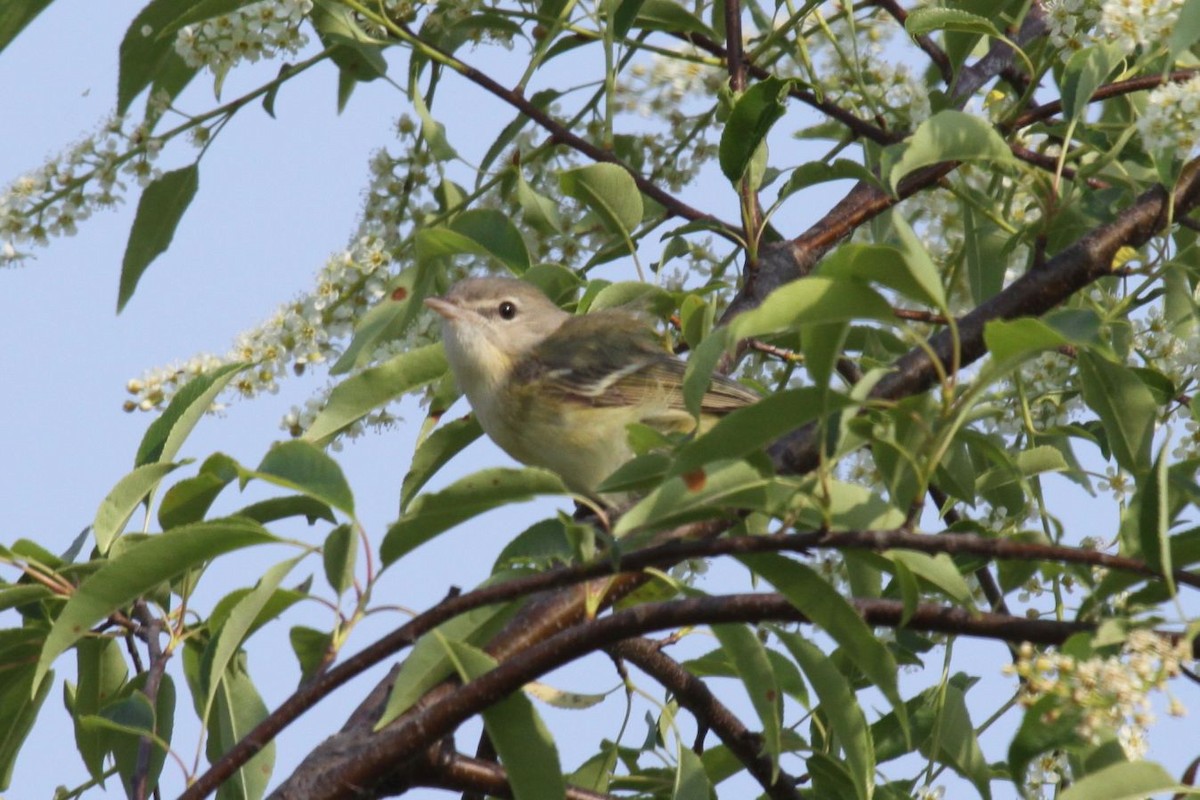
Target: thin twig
<point>710,713</point>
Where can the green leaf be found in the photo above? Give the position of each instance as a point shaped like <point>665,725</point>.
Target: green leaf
<point>166,434</point>
<point>159,210</point>
<point>138,570</point>
<point>1125,406</point>
<point>123,724</point>
<point>665,15</point>
<point>938,570</point>
<point>21,696</point>
<point>237,709</point>
<point>748,429</point>
<point>1046,726</point>
<point>387,320</point>
<point>540,212</point>
<point>691,780</point>
<point>278,508</point>
<point>814,172</point>
<point>749,658</point>
<point>124,498</point>
<point>1129,780</point>
<point>1154,518</point>
<point>312,648</point>
<point>228,639</point>
<point>302,466</point>
<point>431,514</point>
<point>149,58</point>
<point>189,499</point>
<point>492,230</point>
<point>428,664</point>
<point>811,300</point>
<point>949,136</point>
<point>433,453</point>
<point>433,131</point>
<point>339,553</point>
<point>358,395</point>
<point>609,191</point>
<point>828,610</point>
<point>914,277</point>
<point>1012,341</point>
<point>525,746</point>
<point>717,488</point>
<point>841,708</point>
<point>358,56</point>
<point>1085,72</point>
<point>100,665</point>
<point>16,16</point>
<point>1184,33</point>
<point>753,114</point>
<point>921,21</point>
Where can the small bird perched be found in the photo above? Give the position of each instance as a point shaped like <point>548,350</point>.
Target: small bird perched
<point>558,391</point>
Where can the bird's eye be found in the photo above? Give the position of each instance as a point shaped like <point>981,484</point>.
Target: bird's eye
<point>507,310</point>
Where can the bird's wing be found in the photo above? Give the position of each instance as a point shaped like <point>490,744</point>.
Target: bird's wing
<point>612,358</point>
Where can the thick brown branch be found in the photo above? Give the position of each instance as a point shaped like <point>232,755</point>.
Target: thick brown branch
<point>694,695</point>
<point>1138,84</point>
<point>558,610</point>
<point>461,773</point>
<point>1033,294</point>
<point>354,761</point>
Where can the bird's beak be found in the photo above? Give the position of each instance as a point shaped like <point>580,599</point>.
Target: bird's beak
<point>447,308</point>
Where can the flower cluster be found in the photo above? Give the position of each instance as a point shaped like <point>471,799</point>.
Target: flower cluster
<point>1076,24</point>
<point>67,189</point>
<point>854,71</point>
<point>657,89</point>
<point>299,333</point>
<point>253,32</point>
<point>1168,125</point>
<point>1111,693</point>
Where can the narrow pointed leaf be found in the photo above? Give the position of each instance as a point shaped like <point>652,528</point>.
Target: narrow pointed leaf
<point>827,609</point>
<point>841,708</point>
<point>749,658</point>
<point>753,114</point>
<point>1125,406</point>
<point>139,569</point>
<point>433,453</point>
<point>302,466</point>
<point>120,503</point>
<point>525,746</point>
<point>358,395</point>
<point>166,434</point>
<point>1128,780</point>
<point>159,211</point>
<point>431,514</point>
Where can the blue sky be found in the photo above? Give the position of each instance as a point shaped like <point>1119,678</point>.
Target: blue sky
<point>276,197</point>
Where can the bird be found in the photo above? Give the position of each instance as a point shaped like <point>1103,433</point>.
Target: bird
<point>558,390</point>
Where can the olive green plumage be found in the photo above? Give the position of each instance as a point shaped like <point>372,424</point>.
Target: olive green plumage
<point>559,391</point>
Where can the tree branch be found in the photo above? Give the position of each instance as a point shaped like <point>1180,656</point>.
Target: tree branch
<point>352,762</point>
<point>694,695</point>
<point>1116,89</point>
<point>935,53</point>
<point>461,773</point>
<point>562,135</point>
<point>1032,294</point>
